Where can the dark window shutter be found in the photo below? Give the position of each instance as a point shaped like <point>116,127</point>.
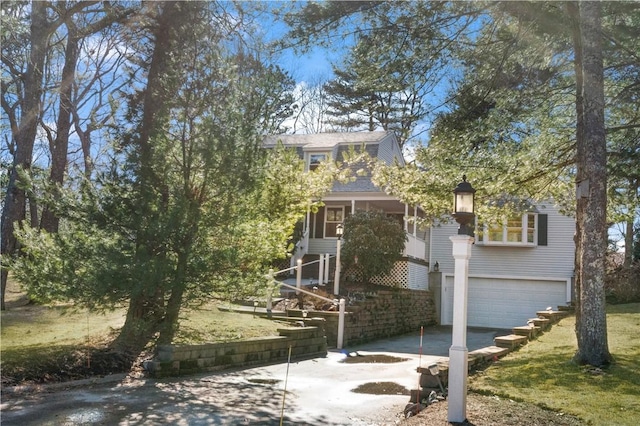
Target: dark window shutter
<point>542,229</point>
<point>347,211</point>
<point>319,233</point>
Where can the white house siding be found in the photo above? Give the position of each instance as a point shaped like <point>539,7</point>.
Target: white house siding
<point>388,150</point>
<point>322,246</point>
<point>418,276</point>
<point>508,284</point>
<point>556,259</point>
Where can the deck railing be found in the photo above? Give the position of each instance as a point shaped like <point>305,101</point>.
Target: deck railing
<point>415,248</point>
<point>298,288</point>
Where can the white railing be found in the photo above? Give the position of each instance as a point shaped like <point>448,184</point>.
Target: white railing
<point>302,247</point>
<point>415,247</point>
<point>298,288</point>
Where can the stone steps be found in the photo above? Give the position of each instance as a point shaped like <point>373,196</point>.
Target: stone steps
<point>511,341</point>
<point>490,353</point>
<point>530,331</point>
<point>543,323</point>
<point>552,316</point>
<point>503,345</point>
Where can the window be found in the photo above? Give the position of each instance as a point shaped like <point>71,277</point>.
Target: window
<point>317,158</point>
<point>335,216</point>
<point>518,230</point>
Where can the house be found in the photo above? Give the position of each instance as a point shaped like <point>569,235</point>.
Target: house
<point>515,270</point>
<point>319,229</point>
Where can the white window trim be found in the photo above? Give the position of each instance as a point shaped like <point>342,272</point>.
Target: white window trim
<point>326,220</point>
<point>484,240</point>
<point>308,155</point>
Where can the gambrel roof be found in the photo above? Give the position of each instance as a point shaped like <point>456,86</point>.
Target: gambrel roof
<point>380,145</point>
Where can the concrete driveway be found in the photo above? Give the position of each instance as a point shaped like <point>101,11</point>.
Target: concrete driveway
<point>318,391</point>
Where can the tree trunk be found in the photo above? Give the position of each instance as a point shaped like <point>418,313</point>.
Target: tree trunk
<point>144,316</point>
<point>174,304</point>
<point>146,309</point>
<point>591,330</point>
<point>49,221</point>
<point>628,243</point>
<point>574,16</point>
<point>15,198</point>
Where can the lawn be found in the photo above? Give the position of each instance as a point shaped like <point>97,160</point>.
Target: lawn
<point>542,372</point>
<point>57,342</point>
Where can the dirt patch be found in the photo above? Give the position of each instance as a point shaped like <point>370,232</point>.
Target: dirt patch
<point>493,411</point>
<point>373,359</point>
<point>381,388</point>
<point>65,365</point>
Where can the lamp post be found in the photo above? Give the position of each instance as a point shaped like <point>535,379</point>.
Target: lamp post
<point>464,199</point>
<point>336,280</point>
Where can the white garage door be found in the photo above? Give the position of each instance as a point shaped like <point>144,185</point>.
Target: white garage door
<point>503,302</point>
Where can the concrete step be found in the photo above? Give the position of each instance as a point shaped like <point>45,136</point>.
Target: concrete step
<point>551,315</point>
<point>489,353</point>
<point>511,341</point>
<point>543,323</point>
<point>530,331</point>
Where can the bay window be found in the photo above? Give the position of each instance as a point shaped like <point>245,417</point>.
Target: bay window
<point>517,230</point>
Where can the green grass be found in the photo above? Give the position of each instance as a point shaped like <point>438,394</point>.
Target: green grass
<point>209,324</point>
<point>542,372</point>
<point>39,326</point>
<point>38,338</point>
<point>34,325</point>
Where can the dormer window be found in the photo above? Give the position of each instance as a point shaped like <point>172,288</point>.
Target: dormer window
<point>314,159</point>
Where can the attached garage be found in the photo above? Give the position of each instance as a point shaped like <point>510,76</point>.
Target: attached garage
<point>504,302</point>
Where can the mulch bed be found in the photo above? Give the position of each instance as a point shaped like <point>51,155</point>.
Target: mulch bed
<point>485,410</point>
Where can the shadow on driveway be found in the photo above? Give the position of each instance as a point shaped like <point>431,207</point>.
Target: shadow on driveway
<point>318,391</point>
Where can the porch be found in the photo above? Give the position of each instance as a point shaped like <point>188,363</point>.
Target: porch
<point>319,229</point>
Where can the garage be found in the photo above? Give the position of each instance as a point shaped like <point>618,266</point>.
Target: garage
<point>504,302</point>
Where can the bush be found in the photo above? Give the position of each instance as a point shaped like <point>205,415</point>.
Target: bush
<point>373,242</point>
<point>622,284</point>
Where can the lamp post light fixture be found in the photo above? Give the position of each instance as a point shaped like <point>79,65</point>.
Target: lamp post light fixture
<point>336,279</point>
<point>464,214</point>
<point>463,206</point>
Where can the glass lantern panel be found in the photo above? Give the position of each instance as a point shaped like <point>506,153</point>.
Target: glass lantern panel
<point>464,203</point>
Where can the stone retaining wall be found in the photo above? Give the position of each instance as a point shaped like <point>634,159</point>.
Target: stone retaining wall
<point>305,342</point>
<point>378,315</point>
